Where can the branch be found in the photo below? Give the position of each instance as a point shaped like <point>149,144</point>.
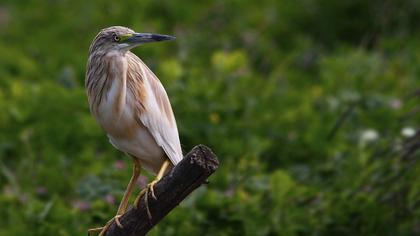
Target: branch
<point>184,178</point>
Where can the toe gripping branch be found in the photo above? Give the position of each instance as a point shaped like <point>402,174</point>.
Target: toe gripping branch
<point>174,187</point>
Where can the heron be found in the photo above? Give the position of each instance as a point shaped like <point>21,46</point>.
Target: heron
<point>132,107</point>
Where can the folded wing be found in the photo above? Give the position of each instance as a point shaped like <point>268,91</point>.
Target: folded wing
<point>157,115</point>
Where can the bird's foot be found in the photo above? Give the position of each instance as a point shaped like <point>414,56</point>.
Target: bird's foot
<point>145,191</point>
<point>102,230</point>
<point>151,186</point>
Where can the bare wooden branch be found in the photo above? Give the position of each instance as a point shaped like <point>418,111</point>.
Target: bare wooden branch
<point>184,178</point>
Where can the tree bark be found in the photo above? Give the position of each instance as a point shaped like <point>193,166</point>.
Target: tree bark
<point>184,178</point>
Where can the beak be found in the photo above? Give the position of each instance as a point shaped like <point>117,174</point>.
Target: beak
<point>140,38</point>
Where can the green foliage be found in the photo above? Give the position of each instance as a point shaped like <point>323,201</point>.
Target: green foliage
<point>310,105</point>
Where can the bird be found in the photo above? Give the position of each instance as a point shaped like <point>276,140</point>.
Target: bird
<point>131,105</point>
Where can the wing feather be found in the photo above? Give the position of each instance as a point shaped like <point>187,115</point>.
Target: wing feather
<point>156,113</point>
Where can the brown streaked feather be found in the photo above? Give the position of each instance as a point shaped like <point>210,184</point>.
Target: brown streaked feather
<point>97,82</point>
<point>135,83</point>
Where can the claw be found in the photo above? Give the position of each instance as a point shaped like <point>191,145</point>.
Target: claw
<point>117,221</point>
<point>137,201</point>
<point>151,186</point>
<point>103,229</point>
<point>94,230</point>
<point>145,191</point>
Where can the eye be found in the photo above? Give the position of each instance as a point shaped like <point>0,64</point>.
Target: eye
<point>116,38</point>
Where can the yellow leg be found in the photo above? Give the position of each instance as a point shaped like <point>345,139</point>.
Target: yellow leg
<point>150,186</point>
<point>136,173</point>
<point>124,202</point>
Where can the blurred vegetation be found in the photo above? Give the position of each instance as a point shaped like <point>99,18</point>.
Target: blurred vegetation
<point>310,105</point>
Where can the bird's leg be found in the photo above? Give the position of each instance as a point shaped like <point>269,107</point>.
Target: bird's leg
<point>124,202</point>
<point>158,177</point>
<point>150,186</point>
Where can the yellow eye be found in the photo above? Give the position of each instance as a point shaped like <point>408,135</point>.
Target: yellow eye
<point>116,38</point>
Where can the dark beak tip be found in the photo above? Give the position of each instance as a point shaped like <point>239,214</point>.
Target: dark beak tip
<point>164,37</point>
<point>150,38</point>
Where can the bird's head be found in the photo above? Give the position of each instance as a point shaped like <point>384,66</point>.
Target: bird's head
<point>123,39</point>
